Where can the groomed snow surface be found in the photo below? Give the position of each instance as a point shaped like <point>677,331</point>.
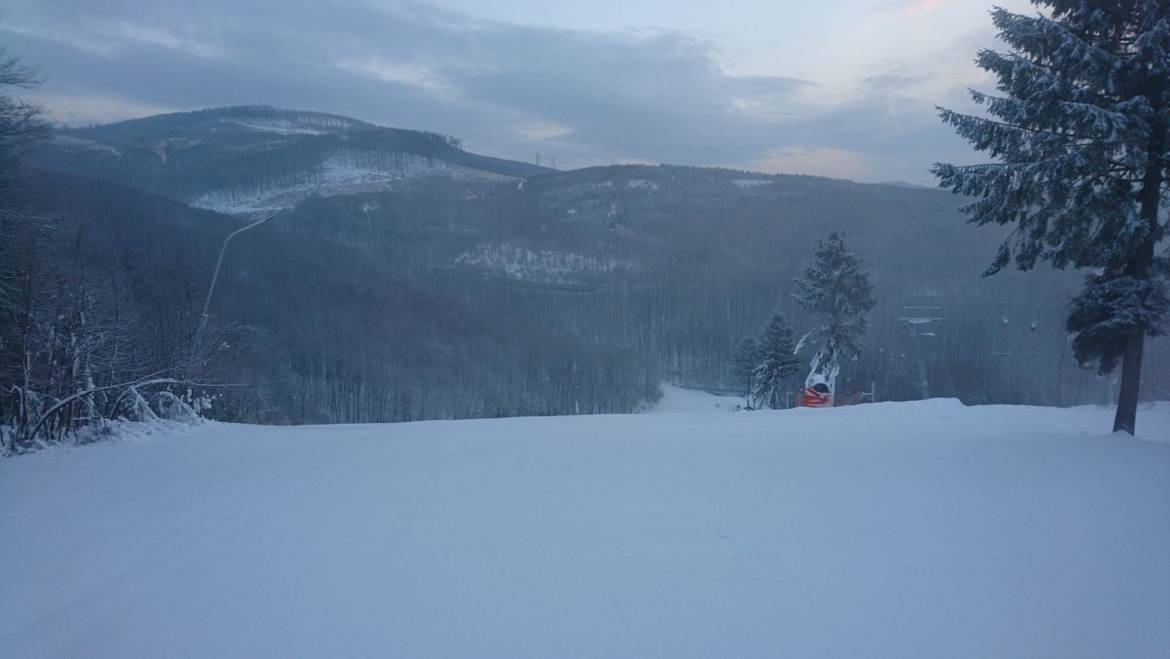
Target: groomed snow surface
<point>677,399</point>
<point>892,530</point>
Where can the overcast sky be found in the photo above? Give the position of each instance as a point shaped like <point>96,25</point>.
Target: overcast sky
<point>841,88</point>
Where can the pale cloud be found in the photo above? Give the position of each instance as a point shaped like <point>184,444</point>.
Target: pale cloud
<point>583,97</point>
<point>154,35</point>
<point>542,130</point>
<point>407,73</point>
<point>913,8</point>
<point>90,44</point>
<point>816,161</point>
<point>82,109</point>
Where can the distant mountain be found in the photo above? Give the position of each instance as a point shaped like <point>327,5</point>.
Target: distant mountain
<point>904,184</point>
<point>577,289</point>
<point>251,159</point>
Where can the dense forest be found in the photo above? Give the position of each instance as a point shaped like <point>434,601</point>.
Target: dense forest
<point>491,290</point>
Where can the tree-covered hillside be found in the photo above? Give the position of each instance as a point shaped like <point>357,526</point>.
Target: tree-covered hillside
<point>408,292</point>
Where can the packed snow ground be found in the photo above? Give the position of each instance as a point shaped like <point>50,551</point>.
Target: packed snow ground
<point>678,399</point>
<point>893,530</point>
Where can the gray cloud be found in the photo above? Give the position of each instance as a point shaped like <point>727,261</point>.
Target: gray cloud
<point>583,97</point>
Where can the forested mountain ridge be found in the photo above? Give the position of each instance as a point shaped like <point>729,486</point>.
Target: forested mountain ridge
<point>257,158</point>
<point>471,286</point>
<point>403,188</point>
<point>304,329</point>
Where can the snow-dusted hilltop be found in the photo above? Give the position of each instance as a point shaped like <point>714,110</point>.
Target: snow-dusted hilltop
<point>247,159</point>
<point>894,530</point>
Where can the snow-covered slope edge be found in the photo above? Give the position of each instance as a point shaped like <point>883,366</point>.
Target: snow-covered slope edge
<point>340,174</point>
<point>677,399</point>
<point>893,530</point>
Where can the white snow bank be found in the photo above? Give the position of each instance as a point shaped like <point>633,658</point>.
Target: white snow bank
<point>894,530</point>
<point>677,399</point>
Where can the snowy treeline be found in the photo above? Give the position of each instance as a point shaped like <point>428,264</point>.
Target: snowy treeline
<point>708,259</point>
<point>361,306</point>
<point>836,292</point>
<point>353,309</point>
<point>519,262</point>
<point>321,332</point>
<point>764,367</point>
<point>77,344</point>
<point>84,340</point>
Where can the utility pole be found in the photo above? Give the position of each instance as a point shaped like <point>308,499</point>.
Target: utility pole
<point>921,324</point>
<point>211,289</point>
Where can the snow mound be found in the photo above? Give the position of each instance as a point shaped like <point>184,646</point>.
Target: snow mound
<point>750,182</point>
<point>680,400</point>
<point>893,530</point>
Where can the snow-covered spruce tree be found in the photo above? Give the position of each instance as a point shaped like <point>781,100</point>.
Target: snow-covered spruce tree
<point>776,364</point>
<point>743,368</point>
<point>836,288</point>
<point>1078,133</point>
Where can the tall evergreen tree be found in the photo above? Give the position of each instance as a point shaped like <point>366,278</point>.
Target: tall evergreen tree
<point>777,364</point>
<point>1078,133</point>
<point>743,367</point>
<point>836,288</point>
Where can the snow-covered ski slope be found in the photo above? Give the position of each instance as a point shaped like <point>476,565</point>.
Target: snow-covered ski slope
<point>677,399</point>
<point>893,530</point>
